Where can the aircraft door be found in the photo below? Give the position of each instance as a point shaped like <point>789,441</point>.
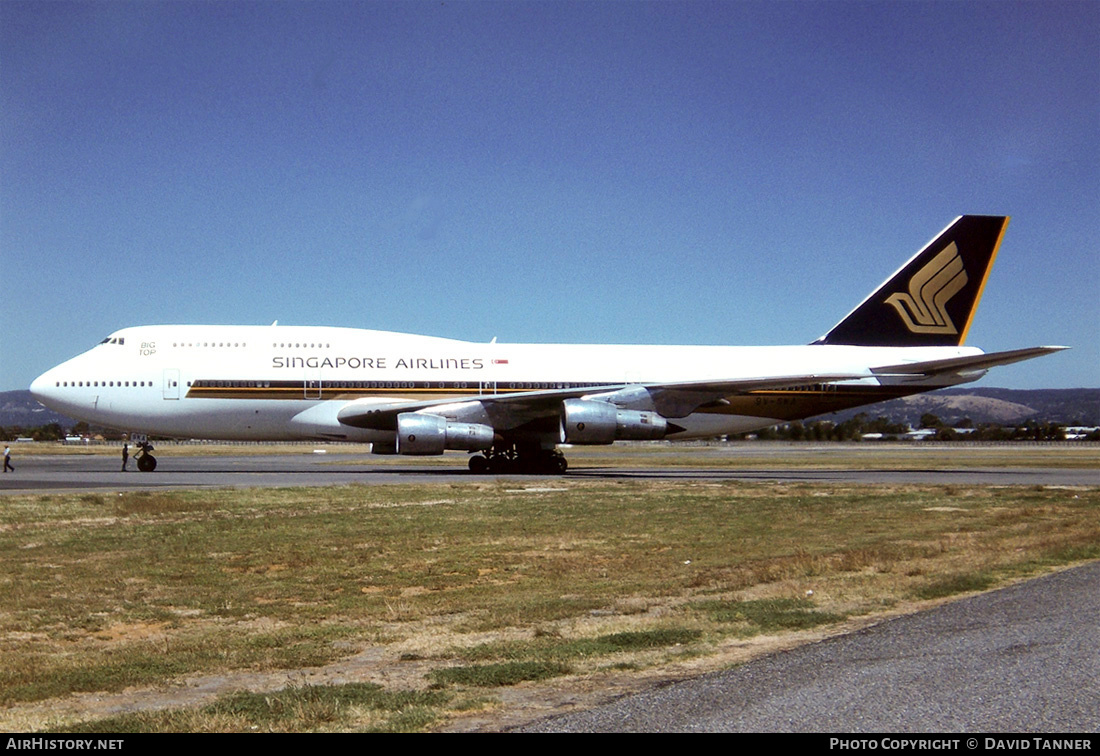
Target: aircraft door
<point>171,383</point>
<point>312,384</point>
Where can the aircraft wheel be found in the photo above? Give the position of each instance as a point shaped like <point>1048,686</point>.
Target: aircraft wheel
<point>147,463</point>
<point>555,464</point>
<point>545,463</point>
<point>499,464</point>
<point>479,465</point>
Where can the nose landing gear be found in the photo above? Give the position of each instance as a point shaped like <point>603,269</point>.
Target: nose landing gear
<point>146,462</point>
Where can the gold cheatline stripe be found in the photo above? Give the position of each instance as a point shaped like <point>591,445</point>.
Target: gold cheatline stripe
<point>296,392</point>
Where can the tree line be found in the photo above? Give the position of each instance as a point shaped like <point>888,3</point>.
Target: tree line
<point>856,428</point>
<point>54,432</point>
<point>853,429</point>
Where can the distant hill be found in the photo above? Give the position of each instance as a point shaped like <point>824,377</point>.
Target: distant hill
<point>989,405</point>
<point>20,408</point>
<point>981,405</point>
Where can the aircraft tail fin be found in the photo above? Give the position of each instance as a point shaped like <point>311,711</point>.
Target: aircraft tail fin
<point>931,300</point>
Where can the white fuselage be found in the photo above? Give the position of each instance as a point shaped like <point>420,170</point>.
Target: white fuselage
<point>288,382</point>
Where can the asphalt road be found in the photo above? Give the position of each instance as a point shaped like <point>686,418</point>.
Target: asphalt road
<point>41,474</point>
<point>1022,659</point>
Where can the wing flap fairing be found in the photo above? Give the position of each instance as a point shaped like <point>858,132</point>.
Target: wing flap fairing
<point>503,411</point>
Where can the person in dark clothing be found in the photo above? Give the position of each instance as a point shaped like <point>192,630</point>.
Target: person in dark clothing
<point>125,456</point>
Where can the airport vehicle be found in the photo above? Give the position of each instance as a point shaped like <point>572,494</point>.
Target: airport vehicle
<point>514,404</point>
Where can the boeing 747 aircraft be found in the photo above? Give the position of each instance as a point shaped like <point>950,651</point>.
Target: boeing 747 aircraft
<point>513,404</point>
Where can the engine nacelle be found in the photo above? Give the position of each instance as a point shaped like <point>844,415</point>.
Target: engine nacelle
<point>589,422</point>
<point>469,436</point>
<point>383,448</point>
<point>431,434</point>
<point>632,425</point>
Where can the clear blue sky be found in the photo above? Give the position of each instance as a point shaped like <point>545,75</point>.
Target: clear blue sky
<point>634,172</point>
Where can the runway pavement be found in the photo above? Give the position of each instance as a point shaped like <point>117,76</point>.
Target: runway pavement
<point>1022,659</point>
<point>42,474</point>
<point>67,473</point>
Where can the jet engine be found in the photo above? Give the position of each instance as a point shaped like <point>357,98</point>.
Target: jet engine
<point>431,434</point>
<point>584,421</point>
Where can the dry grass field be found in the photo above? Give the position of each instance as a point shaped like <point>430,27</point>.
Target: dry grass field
<point>481,604</point>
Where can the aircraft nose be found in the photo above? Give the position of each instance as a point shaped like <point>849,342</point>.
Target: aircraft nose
<point>42,387</point>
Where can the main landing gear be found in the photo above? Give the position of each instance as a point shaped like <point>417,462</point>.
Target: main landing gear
<point>519,460</point>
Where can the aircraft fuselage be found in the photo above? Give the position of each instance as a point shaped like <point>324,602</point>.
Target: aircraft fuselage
<point>289,382</point>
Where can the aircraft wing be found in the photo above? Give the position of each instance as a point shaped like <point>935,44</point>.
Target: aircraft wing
<point>981,362</point>
<point>681,399</point>
<point>513,409</point>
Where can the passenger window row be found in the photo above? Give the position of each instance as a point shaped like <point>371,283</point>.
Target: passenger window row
<point>215,344</point>
<point>120,384</point>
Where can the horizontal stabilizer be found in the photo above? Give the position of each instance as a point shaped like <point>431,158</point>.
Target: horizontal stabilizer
<point>964,364</point>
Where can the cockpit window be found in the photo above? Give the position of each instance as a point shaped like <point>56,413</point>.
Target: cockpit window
<point>114,340</point>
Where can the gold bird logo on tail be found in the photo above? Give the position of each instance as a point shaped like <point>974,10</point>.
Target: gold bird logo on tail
<point>923,309</point>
